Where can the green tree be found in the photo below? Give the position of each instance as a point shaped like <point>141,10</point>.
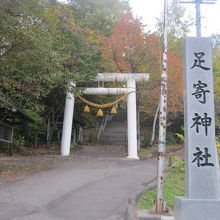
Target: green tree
<point>216,70</point>
<point>179,24</point>
<point>215,41</point>
<point>99,14</point>
<point>25,53</point>
<point>41,49</point>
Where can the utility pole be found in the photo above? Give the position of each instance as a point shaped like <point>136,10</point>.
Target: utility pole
<point>198,13</point>
<point>160,203</point>
<point>198,19</point>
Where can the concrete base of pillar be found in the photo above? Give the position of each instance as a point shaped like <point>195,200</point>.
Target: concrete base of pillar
<point>132,158</point>
<point>196,209</point>
<point>167,218</point>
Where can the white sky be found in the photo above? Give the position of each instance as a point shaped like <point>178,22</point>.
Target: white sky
<point>149,9</point>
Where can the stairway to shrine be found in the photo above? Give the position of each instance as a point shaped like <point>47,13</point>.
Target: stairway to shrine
<point>115,132</point>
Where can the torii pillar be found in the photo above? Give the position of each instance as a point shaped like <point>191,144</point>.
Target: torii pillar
<point>132,120</point>
<point>131,79</point>
<point>67,122</point>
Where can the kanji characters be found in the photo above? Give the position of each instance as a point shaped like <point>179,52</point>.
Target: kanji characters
<point>199,61</point>
<point>200,92</point>
<point>199,121</point>
<point>200,157</point>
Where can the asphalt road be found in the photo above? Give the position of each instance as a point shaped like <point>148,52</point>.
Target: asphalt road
<point>89,189</point>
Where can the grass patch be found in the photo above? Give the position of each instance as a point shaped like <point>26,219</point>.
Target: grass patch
<point>147,199</point>
<point>173,186</point>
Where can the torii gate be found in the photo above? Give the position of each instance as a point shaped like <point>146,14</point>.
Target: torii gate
<point>131,79</point>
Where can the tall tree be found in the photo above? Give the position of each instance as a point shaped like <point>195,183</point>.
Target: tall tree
<point>25,57</point>
<point>40,47</point>
<point>130,49</point>
<point>216,70</point>
<point>99,14</point>
<point>179,22</point>
<point>216,41</point>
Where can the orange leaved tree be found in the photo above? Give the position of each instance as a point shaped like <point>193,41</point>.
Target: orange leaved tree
<point>131,49</point>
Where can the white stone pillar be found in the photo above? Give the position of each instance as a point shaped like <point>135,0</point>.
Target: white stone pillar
<point>67,123</point>
<point>132,121</point>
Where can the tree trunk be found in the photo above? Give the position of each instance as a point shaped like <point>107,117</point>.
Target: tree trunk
<point>90,135</point>
<point>51,134</point>
<point>50,129</point>
<point>36,141</point>
<point>10,150</point>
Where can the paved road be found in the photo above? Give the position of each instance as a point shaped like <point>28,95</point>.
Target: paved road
<point>89,189</point>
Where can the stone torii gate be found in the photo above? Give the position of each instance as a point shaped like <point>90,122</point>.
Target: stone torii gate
<point>131,79</point>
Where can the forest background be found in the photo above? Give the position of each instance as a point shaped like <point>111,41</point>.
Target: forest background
<point>46,43</point>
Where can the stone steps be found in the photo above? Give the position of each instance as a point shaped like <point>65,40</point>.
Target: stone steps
<point>116,130</point>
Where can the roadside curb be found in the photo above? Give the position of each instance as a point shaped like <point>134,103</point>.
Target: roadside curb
<point>145,215</point>
<point>131,212</point>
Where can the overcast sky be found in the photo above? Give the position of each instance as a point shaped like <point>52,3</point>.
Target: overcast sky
<point>149,9</point>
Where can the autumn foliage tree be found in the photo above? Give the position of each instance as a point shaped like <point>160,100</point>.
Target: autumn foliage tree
<point>131,49</point>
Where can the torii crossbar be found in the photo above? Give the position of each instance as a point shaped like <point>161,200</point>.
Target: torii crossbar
<point>131,79</point>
